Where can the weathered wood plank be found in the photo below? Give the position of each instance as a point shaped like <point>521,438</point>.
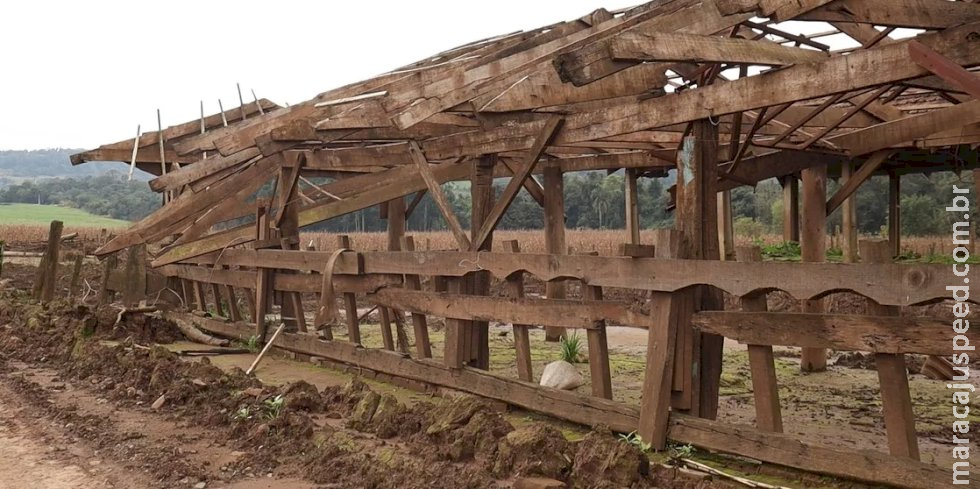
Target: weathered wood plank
<point>545,312</point>
<point>692,48</point>
<point>889,284</point>
<point>879,334</point>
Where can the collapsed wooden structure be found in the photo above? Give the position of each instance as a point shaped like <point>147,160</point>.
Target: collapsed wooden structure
<point>727,92</point>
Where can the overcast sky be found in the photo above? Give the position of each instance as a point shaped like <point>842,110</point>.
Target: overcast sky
<point>83,73</point>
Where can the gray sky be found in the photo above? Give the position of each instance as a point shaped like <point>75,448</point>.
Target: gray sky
<point>83,73</point>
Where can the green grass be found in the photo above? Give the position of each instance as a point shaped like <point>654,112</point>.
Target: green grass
<point>33,214</point>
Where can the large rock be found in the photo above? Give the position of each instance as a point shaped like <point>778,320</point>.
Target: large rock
<point>561,375</point>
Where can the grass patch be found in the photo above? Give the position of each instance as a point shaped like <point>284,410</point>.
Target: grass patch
<point>33,214</point>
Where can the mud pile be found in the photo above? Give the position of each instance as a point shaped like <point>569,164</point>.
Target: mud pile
<point>345,436</point>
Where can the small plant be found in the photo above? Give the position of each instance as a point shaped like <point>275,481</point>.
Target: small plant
<point>634,439</point>
<point>787,250</point>
<point>676,452</point>
<point>242,414</point>
<point>571,347</point>
<point>251,344</point>
<point>273,407</point>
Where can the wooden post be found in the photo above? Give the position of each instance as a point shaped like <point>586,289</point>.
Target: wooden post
<point>768,416</point>
<point>234,312</point>
<point>135,276</point>
<point>219,309</point>
<point>658,377</point>
<point>419,322</point>
<point>849,245</point>
<point>482,195</point>
<point>791,208</point>
<point>895,397</point>
<point>895,213</point>
<point>632,206</point>
<point>813,244</point>
<point>726,226</point>
<point>263,280</point>
<point>199,301</point>
<point>350,302</point>
<point>697,219</point>
<point>76,274</point>
<point>47,273</point>
<point>105,293</point>
<point>2,246</point>
<point>396,231</point>
<point>598,349</point>
<point>287,220</point>
<point>455,346</point>
<point>522,339</point>
<point>554,234</point>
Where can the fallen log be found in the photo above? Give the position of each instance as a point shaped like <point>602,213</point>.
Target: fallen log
<point>193,333</point>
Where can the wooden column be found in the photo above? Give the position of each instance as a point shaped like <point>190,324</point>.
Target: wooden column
<point>892,375</point>
<point>522,339</point>
<point>813,244</point>
<point>76,273</point>
<point>849,245</point>
<point>292,302</point>
<point>791,209</point>
<point>895,213</point>
<point>632,206</point>
<point>455,341</point>
<point>263,280</point>
<point>554,234</point>
<point>106,294</point>
<point>420,324</point>
<point>234,312</point>
<point>697,219</point>
<point>768,416</point>
<point>350,302</point>
<point>396,231</point>
<point>134,276</point>
<point>46,278</point>
<point>482,198</point>
<point>659,375</point>
<point>726,227</point>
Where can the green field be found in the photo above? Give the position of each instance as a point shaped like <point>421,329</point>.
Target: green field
<point>33,214</point>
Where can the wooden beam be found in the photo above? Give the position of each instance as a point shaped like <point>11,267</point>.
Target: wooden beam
<point>516,182</point>
<point>891,284</point>
<point>543,312</point>
<point>943,67</point>
<point>846,332</point>
<point>671,47</point>
<point>913,14</point>
<point>435,189</point>
<point>847,189</point>
<point>907,129</point>
<point>198,170</point>
<point>858,70</point>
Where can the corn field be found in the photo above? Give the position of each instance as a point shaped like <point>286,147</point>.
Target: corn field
<point>605,242</point>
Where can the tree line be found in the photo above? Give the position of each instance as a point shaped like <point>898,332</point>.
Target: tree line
<point>110,194</point>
